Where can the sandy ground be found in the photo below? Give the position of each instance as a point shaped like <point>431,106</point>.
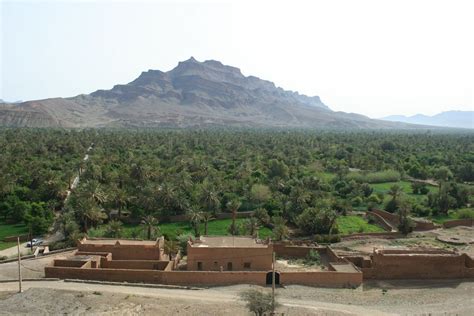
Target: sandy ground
<point>13,251</point>
<point>382,298</point>
<point>30,268</point>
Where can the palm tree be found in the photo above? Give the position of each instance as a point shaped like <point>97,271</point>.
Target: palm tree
<point>206,217</point>
<point>280,230</point>
<point>114,229</point>
<point>233,206</point>
<point>395,191</point>
<point>195,218</point>
<point>150,223</point>
<point>93,215</point>
<point>251,225</point>
<point>209,198</point>
<point>171,247</point>
<point>120,199</point>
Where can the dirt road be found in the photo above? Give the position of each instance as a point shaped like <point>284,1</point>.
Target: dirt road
<point>383,298</point>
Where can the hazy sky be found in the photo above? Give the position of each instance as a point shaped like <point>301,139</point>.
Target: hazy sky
<point>370,57</point>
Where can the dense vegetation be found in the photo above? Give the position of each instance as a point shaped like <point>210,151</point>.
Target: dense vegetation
<point>300,179</point>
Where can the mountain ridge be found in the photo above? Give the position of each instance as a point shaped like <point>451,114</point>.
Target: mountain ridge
<point>193,94</point>
<point>453,118</point>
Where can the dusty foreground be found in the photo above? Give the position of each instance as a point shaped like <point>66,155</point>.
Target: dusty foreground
<point>382,298</point>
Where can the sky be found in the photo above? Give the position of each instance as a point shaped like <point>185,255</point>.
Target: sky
<point>371,57</point>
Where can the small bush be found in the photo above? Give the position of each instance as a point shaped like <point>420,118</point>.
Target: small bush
<point>466,214</point>
<point>313,258</point>
<point>327,239</point>
<point>258,302</point>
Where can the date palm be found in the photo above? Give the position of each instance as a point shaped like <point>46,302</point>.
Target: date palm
<point>150,224</point>
<point>171,247</point>
<point>233,207</point>
<point>251,226</point>
<point>195,218</point>
<point>206,218</point>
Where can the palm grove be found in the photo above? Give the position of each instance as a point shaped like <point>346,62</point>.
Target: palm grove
<point>298,181</point>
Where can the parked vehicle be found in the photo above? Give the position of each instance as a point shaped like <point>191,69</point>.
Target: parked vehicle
<point>34,242</point>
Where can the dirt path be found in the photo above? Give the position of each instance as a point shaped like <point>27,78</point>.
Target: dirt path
<point>13,251</point>
<point>382,298</point>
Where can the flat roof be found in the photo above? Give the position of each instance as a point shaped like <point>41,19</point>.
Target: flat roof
<point>227,242</point>
<point>121,241</point>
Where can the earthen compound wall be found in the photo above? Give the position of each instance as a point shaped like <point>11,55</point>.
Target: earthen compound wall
<point>124,252</point>
<point>459,222</point>
<point>416,266</point>
<point>209,278</point>
<point>212,259</point>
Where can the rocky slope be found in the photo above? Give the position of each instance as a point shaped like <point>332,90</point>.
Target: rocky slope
<point>194,94</point>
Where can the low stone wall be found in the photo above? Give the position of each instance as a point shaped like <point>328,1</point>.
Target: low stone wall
<point>459,222</point>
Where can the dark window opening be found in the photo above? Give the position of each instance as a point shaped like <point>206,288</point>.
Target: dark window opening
<point>229,266</point>
<point>247,265</point>
<point>200,266</point>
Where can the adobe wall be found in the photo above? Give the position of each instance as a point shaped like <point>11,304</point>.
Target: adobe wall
<point>124,252</point>
<point>135,264</point>
<point>422,225</point>
<point>326,278</point>
<point>391,218</point>
<point>213,258</point>
<point>380,221</point>
<point>459,222</point>
<point>68,263</point>
<point>416,266</point>
<point>161,277</point>
<point>395,220</point>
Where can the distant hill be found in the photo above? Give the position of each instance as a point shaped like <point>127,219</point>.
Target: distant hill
<point>193,94</point>
<point>459,119</point>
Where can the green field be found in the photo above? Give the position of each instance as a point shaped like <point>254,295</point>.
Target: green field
<point>406,187</point>
<point>215,228</point>
<point>452,215</point>
<point>7,230</point>
<point>355,224</point>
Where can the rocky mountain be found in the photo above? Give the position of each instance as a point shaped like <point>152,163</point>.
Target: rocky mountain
<point>459,119</point>
<point>193,94</point>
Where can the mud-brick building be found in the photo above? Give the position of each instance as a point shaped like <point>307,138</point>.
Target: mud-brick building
<point>228,253</point>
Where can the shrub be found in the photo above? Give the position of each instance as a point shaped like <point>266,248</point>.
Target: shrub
<point>262,215</point>
<point>314,220</point>
<point>327,239</point>
<point>466,214</point>
<point>258,302</point>
<point>313,258</point>
<point>375,177</point>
